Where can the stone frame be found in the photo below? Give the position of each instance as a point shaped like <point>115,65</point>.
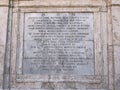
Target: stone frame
<point>19,19</point>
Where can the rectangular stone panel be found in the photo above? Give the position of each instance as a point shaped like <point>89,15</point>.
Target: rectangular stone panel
<point>58,44</point>
<point>38,3</point>
<point>4,2</point>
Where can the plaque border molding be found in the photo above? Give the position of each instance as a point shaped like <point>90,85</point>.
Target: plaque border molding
<point>98,49</point>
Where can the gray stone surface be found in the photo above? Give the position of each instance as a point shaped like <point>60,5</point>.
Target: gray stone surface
<point>58,43</point>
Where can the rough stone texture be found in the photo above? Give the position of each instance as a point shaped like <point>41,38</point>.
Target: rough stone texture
<point>116,30</point>
<point>4,3</point>
<point>62,3</point>
<point>3,28</point>
<point>106,36</point>
<point>116,2</point>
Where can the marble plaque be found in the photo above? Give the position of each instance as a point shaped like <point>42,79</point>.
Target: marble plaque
<point>58,43</point>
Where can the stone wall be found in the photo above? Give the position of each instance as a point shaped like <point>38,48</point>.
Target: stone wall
<point>3,28</point>
<point>115,9</point>
<point>106,45</point>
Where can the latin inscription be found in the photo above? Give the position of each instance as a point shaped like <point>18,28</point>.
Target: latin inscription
<point>58,43</point>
